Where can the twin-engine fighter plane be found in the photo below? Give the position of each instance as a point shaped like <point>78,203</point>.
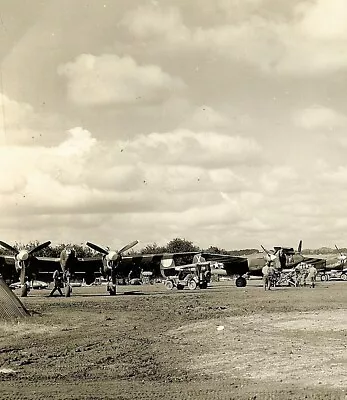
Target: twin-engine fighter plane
<point>21,264</point>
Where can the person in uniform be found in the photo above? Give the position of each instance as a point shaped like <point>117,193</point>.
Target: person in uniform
<point>265,272</point>
<point>57,283</point>
<point>272,275</point>
<point>311,276</point>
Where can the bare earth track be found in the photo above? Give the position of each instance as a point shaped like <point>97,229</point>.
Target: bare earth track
<point>148,343</point>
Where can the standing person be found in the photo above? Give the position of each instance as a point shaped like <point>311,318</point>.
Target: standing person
<point>265,272</point>
<point>57,283</point>
<point>273,275</point>
<point>311,276</point>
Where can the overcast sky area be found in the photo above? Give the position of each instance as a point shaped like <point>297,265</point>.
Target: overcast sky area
<point>222,122</point>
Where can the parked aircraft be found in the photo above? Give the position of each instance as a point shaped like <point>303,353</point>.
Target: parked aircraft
<point>22,265</point>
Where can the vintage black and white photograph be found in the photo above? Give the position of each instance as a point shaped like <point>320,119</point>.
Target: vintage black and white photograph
<point>173,194</point>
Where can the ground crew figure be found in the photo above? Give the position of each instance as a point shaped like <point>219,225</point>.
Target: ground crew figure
<point>303,274</point>
<point>265,272</point>
<point>272,275</point>
<point>57,283</point>
<point>312,274</point>
<point>297,276</point>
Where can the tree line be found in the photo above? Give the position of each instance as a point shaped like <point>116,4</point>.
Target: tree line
<point>177,245</point>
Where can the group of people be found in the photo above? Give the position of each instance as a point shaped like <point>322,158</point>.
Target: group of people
<point>302,275</point>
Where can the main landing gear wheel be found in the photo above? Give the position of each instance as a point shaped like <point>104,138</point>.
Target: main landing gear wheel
<point>24,290</point>
<point>68,290</point>
<point>240,282</point>
<point>112,290</point>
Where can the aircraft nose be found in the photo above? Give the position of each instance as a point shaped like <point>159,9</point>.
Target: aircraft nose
<point>23,255</point>
<point>112,256</point>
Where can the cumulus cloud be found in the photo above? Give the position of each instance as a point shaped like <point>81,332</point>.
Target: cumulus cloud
<point>311,41</point>
<point>110,79</point>
<point>153,177</point>
<point>21,124</point>
<point>187,147</point>
<point>317,117</point>
<point>205,117</point>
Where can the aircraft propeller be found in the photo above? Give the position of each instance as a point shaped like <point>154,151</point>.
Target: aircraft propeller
<point>111,255</point>
<point>271,256</point>
<point>300,247</point>
<point>22,256</point>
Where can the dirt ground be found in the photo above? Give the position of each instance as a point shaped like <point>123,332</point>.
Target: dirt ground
<point>148,343</point>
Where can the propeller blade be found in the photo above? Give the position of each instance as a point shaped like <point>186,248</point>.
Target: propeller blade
<point>339,250</point>
<point>8,247</point>
<point>40,247</point>
<point>300,247</point>
<point>22,275</point>
<point>97,248</point>
<point>127,247</point>
<point>266,251</point>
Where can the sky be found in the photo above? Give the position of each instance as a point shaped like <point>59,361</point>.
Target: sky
<point>219,122</point>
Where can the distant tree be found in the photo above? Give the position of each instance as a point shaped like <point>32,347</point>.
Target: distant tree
<point>153,249</point>
<point>178,245</point>
<point>215,250</point>
<point>50,251</point>
<point>243,252</point>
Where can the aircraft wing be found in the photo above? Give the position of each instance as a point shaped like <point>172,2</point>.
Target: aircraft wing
<point>223,257</point>
<point>155,262</point>
<point>83,268</point>
<point>233,265</point>
<point>42,268</point>
<point>319,263</point>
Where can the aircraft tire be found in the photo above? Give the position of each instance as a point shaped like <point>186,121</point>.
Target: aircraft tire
<point>343,277</point>
<point>24,292</point>
<point>203,285</point>
<point>68,291</point>
<point>240,282</point>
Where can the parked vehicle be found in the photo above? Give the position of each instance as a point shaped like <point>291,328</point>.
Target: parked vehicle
<point>334,274</point>
<point>191,276</point>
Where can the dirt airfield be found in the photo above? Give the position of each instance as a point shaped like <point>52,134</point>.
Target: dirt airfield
<point>149,343</point>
